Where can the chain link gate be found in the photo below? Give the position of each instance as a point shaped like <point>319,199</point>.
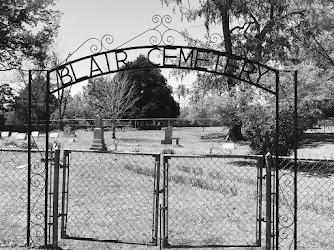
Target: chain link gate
<point>107,197</point>
<point>213,201</point>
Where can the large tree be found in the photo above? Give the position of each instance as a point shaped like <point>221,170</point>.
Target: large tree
<point>155,95</point>
<point>38,101</point>
<point>271,32</point>
<point>112,97</point>
<point>6,97</point>
<point>25,28</point>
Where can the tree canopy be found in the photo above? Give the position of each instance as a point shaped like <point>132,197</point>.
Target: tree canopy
<point>140,93</point>
<point>6,97</point>
<point>294,34</point>
<point>155,95</point>
<point>26,28</point>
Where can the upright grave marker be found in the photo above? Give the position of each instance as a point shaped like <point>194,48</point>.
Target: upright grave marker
<point>168,136</point>
<point>98,141</point>
<point>14,134</point>
<point>5,134</point>
<point>67,131</point>
<point>21,136</point>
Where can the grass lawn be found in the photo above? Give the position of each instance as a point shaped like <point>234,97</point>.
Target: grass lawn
<point>210,201</point>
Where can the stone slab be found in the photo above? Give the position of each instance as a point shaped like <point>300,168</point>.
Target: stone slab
<point>54,134</point>
<point>34,133</point>
<point>14,134</point>
<point>21,136</point>
<point>228,145</point>
<point>4,134</point>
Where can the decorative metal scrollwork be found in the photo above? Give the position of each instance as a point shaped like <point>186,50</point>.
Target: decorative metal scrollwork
<point>164,37</point>
<point>37,219</point>
<point>286,209</point>
<point>215,38</point>
<point>97,46</point>
<point>162,31</point>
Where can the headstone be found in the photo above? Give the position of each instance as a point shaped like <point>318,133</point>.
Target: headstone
<point>228,145</point>
<point>21,136</point>
<point>54,134</point>
<point>168,136</point>
<point>14,134</point>
<point>98,141</point>
<point>34,133</point>
<point>67,131</point>
<point>5,134</point>
<point>70,140</point>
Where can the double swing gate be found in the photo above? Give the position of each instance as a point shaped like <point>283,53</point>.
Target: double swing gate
<point>168,200</point>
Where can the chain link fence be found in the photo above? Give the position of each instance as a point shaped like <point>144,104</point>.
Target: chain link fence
<point>315,209</point>
<point>210,200</point>
<point>213,201</point>
<point>14,197</point>
<point>112,197</point>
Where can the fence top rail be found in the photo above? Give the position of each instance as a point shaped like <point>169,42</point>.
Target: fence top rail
<point>214,156</point>
<point>21,150</point>
<point>306,159</point>
<point>112,152</point>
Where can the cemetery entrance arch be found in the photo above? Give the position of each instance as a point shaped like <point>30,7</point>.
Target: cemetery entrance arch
<point>162,54</point>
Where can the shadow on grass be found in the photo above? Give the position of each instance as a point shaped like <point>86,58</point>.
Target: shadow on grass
<point>311,140</point>
<point>131,140</point>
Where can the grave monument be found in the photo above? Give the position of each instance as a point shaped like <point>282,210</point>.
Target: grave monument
<point>98,141</point>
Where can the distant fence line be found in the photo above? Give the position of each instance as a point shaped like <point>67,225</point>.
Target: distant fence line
<point>138,123</point>
<point>323,126</point>
<point>326,126</point>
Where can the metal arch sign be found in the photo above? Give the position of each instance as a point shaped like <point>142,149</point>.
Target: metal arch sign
<point>166,56</point>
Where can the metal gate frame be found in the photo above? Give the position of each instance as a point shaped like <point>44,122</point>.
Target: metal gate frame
<point>61,195</point>
<point>259,216</point>
<point>277,226</point>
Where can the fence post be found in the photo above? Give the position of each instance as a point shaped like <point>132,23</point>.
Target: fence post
<point>55,200</point>
<point>165,202</point>
<point>64,196</point>
<point>269,161</point>
<point>156,201</point>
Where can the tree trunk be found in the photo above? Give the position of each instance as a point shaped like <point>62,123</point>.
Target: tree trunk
<point>234,133</point>
<point>113,131</point>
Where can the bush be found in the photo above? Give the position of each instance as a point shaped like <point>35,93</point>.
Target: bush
<point>261,128</point>
<point>24,145</point>
<point>11,143</point>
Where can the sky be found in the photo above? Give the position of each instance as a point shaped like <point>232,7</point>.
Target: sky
<point>122,19</point>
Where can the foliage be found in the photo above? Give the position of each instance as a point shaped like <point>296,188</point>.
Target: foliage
<point>112,97</point>
<point>78,106</point>
<point>272,32</point>
<point>260,127</point>
<point>25,28</point>
<point>11,143</point>
<point>155,95</point>
<point>6,97</point>
<point>24,145</point>
<point>38,101</point>
<point>168,151</point>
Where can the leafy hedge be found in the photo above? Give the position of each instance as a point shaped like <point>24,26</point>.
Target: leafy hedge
<point>260,127</point>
